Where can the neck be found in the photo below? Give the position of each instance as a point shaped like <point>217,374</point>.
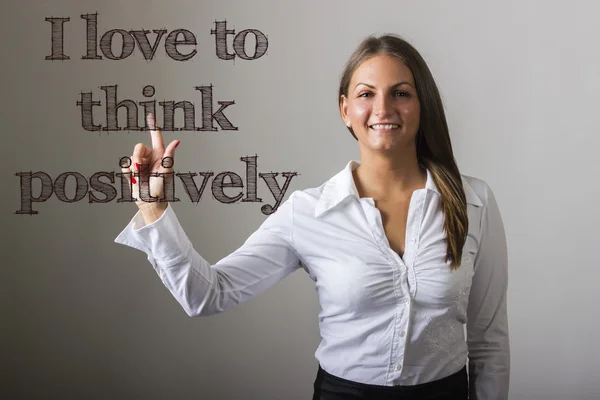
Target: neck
<point>384,178</point>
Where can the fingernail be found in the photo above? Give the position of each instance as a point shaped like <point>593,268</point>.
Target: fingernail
<point>133,180</point>
<point>137,166</point>
<point>177,144</point>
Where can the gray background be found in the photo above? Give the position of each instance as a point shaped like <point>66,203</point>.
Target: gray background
<point>85,318</point>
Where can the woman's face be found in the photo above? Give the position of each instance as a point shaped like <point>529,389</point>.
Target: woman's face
<point>382,106</point>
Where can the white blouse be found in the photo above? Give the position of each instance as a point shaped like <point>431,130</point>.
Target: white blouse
<point>385,319</point>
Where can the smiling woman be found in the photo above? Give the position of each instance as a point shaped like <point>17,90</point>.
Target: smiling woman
<point>403,249</point>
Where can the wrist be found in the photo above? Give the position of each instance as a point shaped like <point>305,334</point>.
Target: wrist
<point>152,211</point>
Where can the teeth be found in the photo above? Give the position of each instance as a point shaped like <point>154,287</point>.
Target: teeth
<point>384,126</point>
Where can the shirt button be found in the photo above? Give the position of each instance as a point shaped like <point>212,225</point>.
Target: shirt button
<point>413,240</point>
<point>402,334</point>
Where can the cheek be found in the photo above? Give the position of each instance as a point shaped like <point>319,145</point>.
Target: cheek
<point>359,111</point>
<point>411,114</point>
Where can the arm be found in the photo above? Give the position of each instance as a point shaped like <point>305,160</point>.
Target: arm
<point>264,259</point>
<point>487,326</point>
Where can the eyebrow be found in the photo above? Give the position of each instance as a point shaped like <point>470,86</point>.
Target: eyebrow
<point>373,87</point>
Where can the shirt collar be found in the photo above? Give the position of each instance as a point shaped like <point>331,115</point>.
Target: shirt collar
<point>342,186</point>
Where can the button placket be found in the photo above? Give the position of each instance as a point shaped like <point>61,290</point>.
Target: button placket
<point>401,272</point>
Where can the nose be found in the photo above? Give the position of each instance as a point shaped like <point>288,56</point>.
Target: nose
<point>382,106</point>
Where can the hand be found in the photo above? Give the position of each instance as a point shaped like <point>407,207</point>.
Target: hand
<point>145,162</point>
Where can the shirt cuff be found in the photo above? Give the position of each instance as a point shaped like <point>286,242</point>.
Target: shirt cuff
<point>163,240</point>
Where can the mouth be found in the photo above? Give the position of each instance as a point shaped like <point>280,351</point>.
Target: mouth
<point>384,127</point>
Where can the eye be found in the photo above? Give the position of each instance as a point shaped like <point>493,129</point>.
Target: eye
<point>402,94</point>
<point>364,94</point>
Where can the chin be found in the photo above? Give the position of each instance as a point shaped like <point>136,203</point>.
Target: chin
<point>384,143</point>
<point>383,148</point>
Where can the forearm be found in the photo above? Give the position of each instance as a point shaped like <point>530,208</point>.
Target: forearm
<point>203,289</point>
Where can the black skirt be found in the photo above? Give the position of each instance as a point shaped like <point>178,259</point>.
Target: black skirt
<point>330,387</point>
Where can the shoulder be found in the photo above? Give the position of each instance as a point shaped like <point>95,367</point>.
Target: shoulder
<point>300,203</point>
<point>478,189</point>
<point>305,201</point>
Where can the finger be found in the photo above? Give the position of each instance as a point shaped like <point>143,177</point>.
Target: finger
<point>140,153</point>
<point>170,152</point>
<point>134,183</point>
<point>156,135</point>
<point>127,173</point>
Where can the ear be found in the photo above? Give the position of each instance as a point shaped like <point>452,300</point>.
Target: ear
<point>344,110</point>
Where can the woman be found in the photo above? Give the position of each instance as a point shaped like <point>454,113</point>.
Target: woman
<point>404,250</point>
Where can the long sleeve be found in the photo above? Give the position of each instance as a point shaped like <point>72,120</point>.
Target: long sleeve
<point>487,324</point>
<point>202,289</point>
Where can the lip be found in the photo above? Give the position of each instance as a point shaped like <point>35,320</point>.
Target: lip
<point>387,129</point>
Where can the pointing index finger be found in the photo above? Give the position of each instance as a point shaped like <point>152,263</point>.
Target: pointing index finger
<point>157,140</point>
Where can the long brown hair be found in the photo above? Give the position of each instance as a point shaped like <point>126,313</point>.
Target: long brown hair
<point>434,150</point>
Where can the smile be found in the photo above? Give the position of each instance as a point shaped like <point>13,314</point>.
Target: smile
<point>384,126</point>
